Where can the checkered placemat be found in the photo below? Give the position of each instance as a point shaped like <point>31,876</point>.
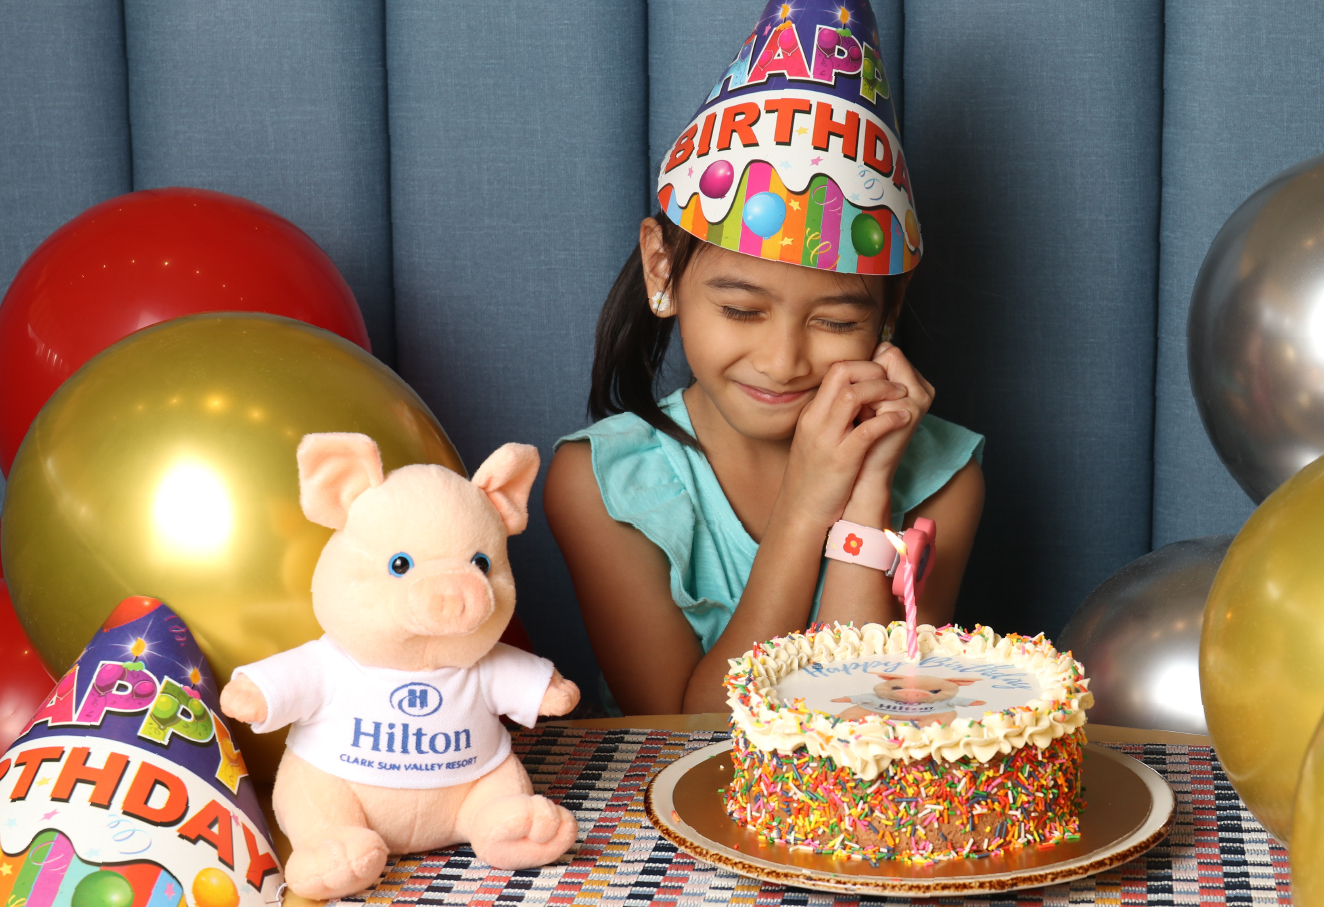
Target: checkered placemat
<point>1217,852</point>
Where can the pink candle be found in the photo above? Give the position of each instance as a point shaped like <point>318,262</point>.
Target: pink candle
<point>908,598</point>
<point>912,620</point>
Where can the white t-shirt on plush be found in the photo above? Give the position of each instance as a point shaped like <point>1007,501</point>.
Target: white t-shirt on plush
<point>401,729</point>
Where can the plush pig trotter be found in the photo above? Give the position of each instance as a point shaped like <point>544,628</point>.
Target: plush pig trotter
<point>520,832</point>
<point>509,826</point>
<point>334,852</point>
<point>562,695</point>
<point>242,699</point>
<point>346,861</point>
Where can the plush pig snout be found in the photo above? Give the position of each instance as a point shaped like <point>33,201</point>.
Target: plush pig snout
<point>448,599</point>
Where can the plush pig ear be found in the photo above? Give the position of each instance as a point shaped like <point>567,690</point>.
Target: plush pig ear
<point>961,681</point>
<point>507,478</point>
<point>334,469</point>
<point>887,676</point>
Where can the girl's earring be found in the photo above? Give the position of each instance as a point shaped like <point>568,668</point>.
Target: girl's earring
<point>660,303</point>
<point>886,335</point>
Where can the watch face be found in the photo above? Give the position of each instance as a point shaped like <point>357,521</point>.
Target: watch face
<point>938,688</point>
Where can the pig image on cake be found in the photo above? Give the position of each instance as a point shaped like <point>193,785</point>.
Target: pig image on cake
<point>920,698</point>
<point>395,742</point>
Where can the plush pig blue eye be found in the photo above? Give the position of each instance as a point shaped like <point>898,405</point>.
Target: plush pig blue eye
<point>400,564</point>
<point>482,562</point>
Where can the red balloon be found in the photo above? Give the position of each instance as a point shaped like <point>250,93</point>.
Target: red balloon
<point>24,680</point>
<point>147,257</point>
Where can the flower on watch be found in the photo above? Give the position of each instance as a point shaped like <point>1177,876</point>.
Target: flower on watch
<point>853,544</point>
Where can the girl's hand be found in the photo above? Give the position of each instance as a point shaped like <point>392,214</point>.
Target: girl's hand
<point>873,486</point>
<point>829,449</point>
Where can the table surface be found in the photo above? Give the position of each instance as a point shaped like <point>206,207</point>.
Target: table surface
<point>1216,853</point>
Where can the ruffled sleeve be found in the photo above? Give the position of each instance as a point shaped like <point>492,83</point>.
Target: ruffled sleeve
<point>647,480</point>
<point>938,450</point>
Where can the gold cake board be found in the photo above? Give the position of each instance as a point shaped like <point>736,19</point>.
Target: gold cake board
<point>1129,808</point>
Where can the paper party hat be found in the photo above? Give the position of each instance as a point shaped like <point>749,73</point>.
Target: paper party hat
<point>126,787</point>
<point>794,155</point>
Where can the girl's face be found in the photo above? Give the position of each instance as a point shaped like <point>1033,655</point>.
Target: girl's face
<point>760,335</point>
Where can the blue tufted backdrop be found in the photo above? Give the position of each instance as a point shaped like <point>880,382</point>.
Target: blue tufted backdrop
<point>478,171</point>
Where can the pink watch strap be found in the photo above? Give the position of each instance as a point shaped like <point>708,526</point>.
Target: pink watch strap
<point>855,544</point>
<point>869,547</point>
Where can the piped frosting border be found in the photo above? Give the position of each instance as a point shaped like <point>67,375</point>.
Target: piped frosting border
<point>869,745</point>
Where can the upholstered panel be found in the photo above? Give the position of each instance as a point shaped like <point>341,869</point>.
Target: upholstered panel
<point>518,170</point>
<point>64,125</point>
<point>1032,131</point>
<point>283,103</point>
<point>1244,100</point>
<point>482,196</point>
<point>684,63</point>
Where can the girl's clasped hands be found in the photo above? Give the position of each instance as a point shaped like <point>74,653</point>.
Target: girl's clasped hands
<point>852,435</point>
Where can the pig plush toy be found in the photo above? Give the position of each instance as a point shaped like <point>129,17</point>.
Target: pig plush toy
<point>395,745</point>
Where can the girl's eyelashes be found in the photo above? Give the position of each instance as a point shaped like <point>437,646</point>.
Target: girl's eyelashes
<point>840,327</point>
<point>736,314</point>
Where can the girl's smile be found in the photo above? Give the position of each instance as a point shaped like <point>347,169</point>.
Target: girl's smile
<point>772,398</point>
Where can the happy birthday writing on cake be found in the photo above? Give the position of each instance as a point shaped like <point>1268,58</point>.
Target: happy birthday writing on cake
<point>1004,677</point>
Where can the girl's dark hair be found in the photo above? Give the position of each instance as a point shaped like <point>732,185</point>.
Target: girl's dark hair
<point>631,342</point>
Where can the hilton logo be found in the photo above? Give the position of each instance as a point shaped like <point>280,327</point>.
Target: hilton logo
<point>416,700</point>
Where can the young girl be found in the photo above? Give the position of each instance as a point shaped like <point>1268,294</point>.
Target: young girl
<point>694,526</point>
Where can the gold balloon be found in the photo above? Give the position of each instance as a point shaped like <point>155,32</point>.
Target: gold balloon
<point>165,467</point>
<point>1262,648</point>
<point>1308,828</point>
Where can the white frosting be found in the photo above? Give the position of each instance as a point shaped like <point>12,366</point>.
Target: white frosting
<point>869,745</point>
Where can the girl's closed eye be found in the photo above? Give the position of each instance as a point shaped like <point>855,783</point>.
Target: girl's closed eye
<point>836,326</point>
<point>736,314</point>
<point>839,327</point>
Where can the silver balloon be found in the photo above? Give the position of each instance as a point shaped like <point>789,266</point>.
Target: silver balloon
<point>1255,332</point>
<point>1138,636</point>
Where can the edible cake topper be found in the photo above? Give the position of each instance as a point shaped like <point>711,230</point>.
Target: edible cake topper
<point>126,787</point>
<point>794,155</point>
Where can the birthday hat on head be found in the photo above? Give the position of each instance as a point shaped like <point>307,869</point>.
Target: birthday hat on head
<point>794,155</point>
<point>126,787</point>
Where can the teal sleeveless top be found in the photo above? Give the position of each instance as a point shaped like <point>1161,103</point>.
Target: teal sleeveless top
<point>668,492</point>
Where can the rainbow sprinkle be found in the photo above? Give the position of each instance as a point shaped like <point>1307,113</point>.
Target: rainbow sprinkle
<point>921,811</point>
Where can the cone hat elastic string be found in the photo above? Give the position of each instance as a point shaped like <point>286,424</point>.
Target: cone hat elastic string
<point>794,154</point>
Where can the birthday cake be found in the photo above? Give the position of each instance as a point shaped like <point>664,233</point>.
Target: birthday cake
<point>845,745</point>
